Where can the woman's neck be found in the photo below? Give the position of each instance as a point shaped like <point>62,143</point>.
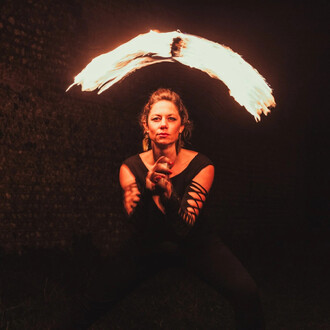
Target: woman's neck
<point>169,152</point>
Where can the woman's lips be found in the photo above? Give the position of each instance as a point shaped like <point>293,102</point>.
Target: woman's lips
<point>163,134</point>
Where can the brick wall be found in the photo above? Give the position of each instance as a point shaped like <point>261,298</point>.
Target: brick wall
<point>60,152</point>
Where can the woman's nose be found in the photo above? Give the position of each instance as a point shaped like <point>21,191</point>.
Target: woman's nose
<point>163,123</point>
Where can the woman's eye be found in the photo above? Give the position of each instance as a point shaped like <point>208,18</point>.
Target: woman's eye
<point>155,119</point>
<point>172,118</point>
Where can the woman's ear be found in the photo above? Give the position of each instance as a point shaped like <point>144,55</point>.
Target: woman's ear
<point>181,128</point>
<point>145,126</point>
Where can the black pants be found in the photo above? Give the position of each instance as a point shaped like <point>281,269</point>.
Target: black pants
<point>209,258</point>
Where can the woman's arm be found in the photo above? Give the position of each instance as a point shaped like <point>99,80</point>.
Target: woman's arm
<point>195,194</point>
<point>189,207</point>
<point>183,211</point>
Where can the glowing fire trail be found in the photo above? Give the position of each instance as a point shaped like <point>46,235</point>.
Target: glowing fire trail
<point>245,84</point>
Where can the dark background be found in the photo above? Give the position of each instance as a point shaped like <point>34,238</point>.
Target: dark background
<point>60,206</point>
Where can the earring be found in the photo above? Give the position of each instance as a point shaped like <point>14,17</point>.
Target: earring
<point>146,141</point>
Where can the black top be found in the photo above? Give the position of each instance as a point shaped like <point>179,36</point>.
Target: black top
<point>150,220</point>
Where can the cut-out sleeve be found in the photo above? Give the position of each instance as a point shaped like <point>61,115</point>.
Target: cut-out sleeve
<point>183,213</point>
<point>192,202</point>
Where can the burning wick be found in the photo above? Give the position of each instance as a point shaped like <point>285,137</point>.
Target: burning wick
<point>245,84</point>
<point>176,47</point>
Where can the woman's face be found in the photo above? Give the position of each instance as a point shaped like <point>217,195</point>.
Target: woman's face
<point>164,123</point>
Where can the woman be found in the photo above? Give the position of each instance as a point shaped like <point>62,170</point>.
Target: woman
<point>165,174</point>
<point>165,189</point>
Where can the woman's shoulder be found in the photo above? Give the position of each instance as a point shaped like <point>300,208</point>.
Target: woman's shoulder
<point>147,158</point>
<point>191,155</point>
<point>136,166</point>
<point>198,162</point>
<point>145,155</point>
<point>131,159</point>
<point>191,162</point>
<point>188,154</point>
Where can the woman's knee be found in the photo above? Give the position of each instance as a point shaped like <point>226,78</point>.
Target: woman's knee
<point>249,288</point>
<point>244,291</point>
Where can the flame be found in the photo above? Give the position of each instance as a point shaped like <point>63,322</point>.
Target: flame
<point>245,84</point>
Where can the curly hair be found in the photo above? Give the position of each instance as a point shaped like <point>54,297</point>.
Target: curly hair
<point>168,95</point>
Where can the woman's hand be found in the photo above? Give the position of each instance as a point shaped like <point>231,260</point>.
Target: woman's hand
<point>131,198</point>
<point>158,176</point>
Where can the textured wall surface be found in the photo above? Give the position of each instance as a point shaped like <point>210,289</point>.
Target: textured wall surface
<point>61,213</point>
<point>60,152</point>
